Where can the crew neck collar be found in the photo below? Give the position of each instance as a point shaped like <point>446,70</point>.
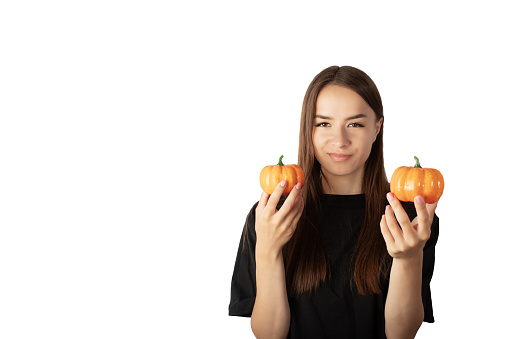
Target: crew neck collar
<point>353,200</point>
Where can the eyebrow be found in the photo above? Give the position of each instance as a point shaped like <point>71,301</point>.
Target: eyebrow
<point>361,115</point>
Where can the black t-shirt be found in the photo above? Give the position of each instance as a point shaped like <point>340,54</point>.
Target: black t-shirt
<point>335,310</point>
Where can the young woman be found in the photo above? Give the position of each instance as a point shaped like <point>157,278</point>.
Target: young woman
<point>338,257</point>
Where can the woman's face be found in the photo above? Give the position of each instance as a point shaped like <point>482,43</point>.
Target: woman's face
<point>345,128</point>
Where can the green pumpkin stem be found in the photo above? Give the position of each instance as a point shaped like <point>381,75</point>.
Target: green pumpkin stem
<point>280,163</point>
<point>417,163</point>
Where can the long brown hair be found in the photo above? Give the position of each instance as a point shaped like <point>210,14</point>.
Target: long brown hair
<point>305,260</point>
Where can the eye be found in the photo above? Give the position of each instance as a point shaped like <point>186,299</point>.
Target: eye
<point>322,124</point>
<point>356,124</point>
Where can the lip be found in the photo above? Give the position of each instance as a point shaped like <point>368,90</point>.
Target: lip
<point>339,156</point>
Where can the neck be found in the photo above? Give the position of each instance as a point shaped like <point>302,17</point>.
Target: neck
<point>343,184</point>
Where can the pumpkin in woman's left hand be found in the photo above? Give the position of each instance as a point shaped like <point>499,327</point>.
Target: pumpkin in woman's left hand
<point>271,176</point>
<point>409,182</point>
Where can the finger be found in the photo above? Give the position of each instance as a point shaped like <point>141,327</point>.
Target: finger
<point>263,200</point>
<point>386,232</point>
<point>291,200</point>
<point>423,217</point>
<point>297,213</point>
<point>297,209</point>
<point>275,196</point>
<point>392,224</point>
<point>431,208</point>
<point>400,213</point>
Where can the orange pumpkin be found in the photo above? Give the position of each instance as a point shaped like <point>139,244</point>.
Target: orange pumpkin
<point>409,182</point>
<point>271,176</point>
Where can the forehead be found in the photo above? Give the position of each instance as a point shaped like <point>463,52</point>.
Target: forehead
<point>339,101</point>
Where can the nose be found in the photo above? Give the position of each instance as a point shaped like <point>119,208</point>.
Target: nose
<point>340,138</point>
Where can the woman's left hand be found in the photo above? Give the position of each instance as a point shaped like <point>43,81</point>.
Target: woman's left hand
<point>409,240</point>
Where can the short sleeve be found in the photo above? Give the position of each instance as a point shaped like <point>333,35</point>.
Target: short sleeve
<point>428,264</point>
<point>243,287</point>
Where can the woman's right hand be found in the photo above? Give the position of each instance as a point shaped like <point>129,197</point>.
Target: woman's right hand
<point>274,228</point>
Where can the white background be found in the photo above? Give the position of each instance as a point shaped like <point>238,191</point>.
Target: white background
<point>132,134</point>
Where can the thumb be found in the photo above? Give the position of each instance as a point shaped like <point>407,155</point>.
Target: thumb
<point>424,215</point>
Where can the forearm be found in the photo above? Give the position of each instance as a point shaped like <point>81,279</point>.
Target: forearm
<point>404,312</point>
<point>271,313</point>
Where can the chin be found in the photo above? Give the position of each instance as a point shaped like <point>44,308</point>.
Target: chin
<point>342,170</point>
<point>335,171</point>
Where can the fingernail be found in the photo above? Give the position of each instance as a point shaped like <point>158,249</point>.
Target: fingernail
<point>283,183</point>
<point>419,199</point>
<point>387,207</point>
<point>390,196</point>
<point>298,186</point>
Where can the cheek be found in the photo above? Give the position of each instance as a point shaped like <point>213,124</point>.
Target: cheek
<point>361,142</point>
<point>368,137</point>
<point>318,141</point>
<point>367,144</point>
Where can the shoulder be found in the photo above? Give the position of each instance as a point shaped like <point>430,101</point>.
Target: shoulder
<point>251,216</point>
<point>249,226</point>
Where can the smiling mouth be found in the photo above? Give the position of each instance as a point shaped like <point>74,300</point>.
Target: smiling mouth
<point>339,156</point>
